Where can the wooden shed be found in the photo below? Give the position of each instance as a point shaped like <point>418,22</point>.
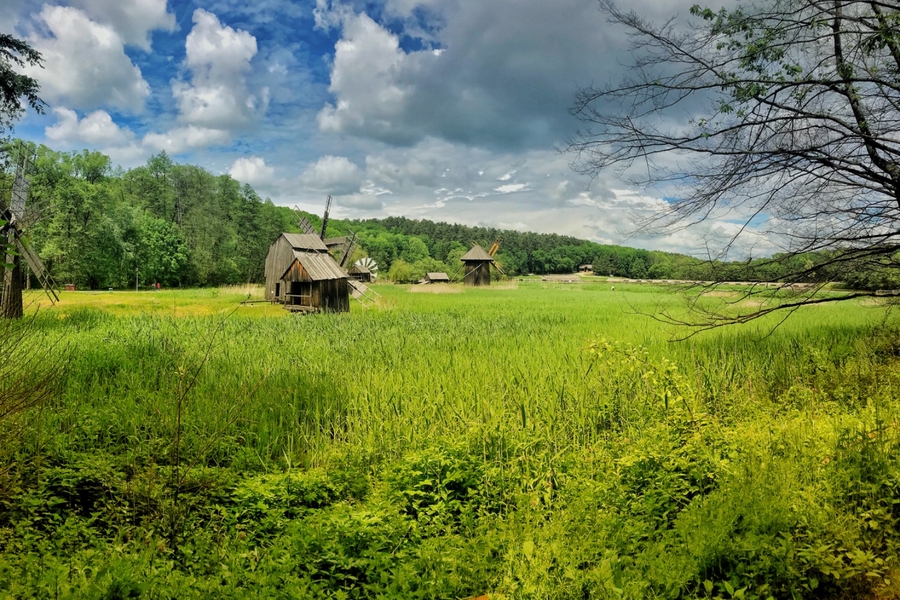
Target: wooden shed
<point>302,275</point>
<point>478,266</point>
<point>360,273</point>
<point>437,278</point>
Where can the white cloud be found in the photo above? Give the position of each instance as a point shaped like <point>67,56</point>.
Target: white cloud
<point>96,129</point>
<point>182,139</point>
<point>511,187</point>
<point>366,78</point>
<point>133,20</point>
<point>252,170</point>
<point>219,59</point>
<point>85,65</point>
<point>333,175</point>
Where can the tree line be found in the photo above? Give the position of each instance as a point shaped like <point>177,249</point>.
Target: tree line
<point>180,225</point>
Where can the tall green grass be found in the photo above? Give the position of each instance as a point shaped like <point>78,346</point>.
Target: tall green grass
<point>543,441</point>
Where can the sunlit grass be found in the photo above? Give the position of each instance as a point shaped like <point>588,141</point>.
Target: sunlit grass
<point>722,458</point>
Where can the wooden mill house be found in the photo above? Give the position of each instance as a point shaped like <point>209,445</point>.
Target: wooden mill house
<point>360,273</point>
<point>302,275</point>
<point>478,266</point>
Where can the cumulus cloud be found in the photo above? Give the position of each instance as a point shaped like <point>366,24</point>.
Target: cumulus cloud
<point>252,170</point>
<point>85,65</point>
<point>133,20</point>
<point>181,139</point>
<point>333,175</point>
<point>498,74</point>
<point>219,59</point>
<point>96,129</point>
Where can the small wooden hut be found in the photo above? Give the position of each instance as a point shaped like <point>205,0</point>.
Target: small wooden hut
<point>302,275</point>
<point>585,268</point>
<point>478,266</point>
<point>437,277</point>
<point>360,273</point>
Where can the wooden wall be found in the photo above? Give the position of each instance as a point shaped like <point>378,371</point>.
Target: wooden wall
<point>478,273</point>
<point>279,258</point>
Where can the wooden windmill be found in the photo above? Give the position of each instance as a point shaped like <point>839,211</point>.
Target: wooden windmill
<point>344,244</point>
<point>478,264</point>
<point>17,217</point>
<point>343,247</point>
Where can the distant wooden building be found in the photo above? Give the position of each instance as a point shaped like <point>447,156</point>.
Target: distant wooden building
<point>437,278</point>
<point>585,268</point>
<point>360,273</point>
<point>478,266</point>
<point>302,275</point>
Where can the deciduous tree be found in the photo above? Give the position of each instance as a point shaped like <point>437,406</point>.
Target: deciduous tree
<point>784,112</point>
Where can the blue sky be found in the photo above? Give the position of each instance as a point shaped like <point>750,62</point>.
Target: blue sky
<point>450,110</point>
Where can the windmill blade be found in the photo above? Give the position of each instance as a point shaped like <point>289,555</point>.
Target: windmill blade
<point>495,246</point>
<point>19,194</point>
<point>325,217</point>
<point>362,293</point>
<point>40,271</point>
<point>349,247</point>
<point>303,223</point>
<point>369,263</point>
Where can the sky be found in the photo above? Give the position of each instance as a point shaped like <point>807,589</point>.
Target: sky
<point>448,110</point>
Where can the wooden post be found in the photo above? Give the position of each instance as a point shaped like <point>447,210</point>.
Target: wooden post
<point>11,302</point>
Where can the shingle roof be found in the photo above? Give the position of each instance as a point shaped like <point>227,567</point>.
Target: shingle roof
<point>305,241</point>
<point>359,269</point>
<point>319,265</point>
<point>476,253</point>
<point>438,276</point>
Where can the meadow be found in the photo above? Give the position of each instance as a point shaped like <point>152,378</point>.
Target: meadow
<point>531,440</point>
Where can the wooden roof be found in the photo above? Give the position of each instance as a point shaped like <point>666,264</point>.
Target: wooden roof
<point>359,270</point>
<point>305,241</point>
<point>477,253</point>
<point>437,276</point>
<point>319,266</point>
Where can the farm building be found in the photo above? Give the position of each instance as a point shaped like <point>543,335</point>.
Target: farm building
<point>585,268</point>
<point>478,266</point>
<point>360,273</point>
<point>302,275</point>
<point>436,278</point>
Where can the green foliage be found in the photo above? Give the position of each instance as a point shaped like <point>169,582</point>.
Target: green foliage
<point>181,225</point>
<point>15,87</point>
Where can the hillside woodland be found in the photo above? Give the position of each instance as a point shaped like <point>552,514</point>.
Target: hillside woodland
<point>180,225</point>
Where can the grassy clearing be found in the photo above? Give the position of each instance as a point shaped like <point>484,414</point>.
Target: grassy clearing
<point>538,441</point>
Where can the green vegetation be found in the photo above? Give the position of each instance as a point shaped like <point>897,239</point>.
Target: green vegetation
<point>181,226</point>
<point>534,441</point>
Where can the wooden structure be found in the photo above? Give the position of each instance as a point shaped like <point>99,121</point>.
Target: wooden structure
<point>585,268</point>
<point>437,278</point>
<point>360,273</point>
<point>478,266</point>
<point>19,212</point>
<point>302,275</point>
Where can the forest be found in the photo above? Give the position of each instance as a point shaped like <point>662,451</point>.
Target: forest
<point>181,226</point>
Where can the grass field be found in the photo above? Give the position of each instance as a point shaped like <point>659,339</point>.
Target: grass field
<point>532,440</point>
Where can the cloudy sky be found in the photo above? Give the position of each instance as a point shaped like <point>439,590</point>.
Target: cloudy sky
<point>450,110</point>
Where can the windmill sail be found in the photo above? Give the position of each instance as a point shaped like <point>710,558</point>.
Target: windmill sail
<point>306,226</point>
<point>495,246</point>
<point>19,194</point>
<point>325,217</point>
<point>40,271</point>
<point>349,246</point>
<point>362,293</point>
